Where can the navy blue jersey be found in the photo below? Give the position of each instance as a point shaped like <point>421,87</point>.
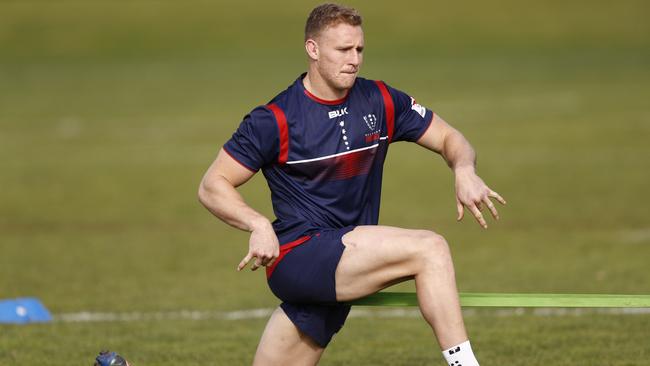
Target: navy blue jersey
<point>323,160</point>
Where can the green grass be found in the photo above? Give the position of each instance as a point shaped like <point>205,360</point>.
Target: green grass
<point>110,112</point>
<point>521,340</point>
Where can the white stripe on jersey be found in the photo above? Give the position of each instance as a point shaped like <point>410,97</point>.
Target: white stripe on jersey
<point>335,155</point>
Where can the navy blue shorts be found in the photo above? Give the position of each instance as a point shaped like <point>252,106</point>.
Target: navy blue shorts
<point>303,277</point>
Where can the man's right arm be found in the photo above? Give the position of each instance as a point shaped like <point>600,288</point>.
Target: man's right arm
<point>218,194</point>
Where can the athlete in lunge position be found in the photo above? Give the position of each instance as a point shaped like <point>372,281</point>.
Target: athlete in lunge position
<point>321,145</point>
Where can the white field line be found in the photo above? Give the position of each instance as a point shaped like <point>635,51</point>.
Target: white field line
<point>88,316</point>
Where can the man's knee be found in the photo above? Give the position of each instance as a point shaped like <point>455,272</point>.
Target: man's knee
<point>432,250</point>
<point>283,344</point>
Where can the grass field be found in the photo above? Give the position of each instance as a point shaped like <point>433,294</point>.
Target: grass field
<point>110,112</point>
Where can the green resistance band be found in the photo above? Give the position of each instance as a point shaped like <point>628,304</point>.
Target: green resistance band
<point>516,300</point>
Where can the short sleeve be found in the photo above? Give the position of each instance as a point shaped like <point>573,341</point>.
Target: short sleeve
<point>411,119</point>
<point>255,143</point>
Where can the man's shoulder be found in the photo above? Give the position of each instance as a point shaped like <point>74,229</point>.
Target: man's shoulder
<point>276,104</point>
<point>373,86</point>
<point>366,84</point>
<point>291,91</point>
<point>261,118</point>
<point>368,89</point>
<point>372,82</point>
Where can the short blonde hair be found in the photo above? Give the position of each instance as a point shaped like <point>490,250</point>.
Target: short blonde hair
<point>328,15</point>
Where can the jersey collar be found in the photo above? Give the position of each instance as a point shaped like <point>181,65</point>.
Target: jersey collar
<point>317,99</point>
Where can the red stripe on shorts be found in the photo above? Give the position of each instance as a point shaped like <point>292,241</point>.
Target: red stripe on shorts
<point>284,250</point>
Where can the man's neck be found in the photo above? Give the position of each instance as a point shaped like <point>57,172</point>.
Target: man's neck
<point>317,86</point>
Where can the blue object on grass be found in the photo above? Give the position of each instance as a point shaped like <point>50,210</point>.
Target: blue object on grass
<point>107,358</point>
<point>23,310</point>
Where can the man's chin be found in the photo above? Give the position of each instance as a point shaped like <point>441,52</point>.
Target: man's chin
<point>348,81</point>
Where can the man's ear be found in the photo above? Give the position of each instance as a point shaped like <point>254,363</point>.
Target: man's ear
<point>312,49</point>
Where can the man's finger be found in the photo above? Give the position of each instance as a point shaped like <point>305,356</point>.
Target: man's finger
<point>460,209</point>
<point>244,261</point>
<point>266,260</point>
<point>257,264</point>
<point>270,263</point>
<point>493,194</point>
<point>478,215</point>
<point>272,259</point>
<point>491,207</point>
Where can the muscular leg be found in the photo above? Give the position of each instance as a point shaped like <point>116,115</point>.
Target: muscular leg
<point>376,257</point>
<point>283,344</point>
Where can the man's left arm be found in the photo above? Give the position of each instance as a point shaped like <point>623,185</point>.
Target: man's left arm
<point>471,191</point>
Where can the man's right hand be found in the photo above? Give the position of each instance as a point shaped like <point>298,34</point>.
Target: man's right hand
<point>263,246</point>
<point>218,194</point>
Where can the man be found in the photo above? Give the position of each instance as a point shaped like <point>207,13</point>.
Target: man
<point>321,145</point>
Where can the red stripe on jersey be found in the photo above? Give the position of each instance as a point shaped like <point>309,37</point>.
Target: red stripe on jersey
<point>389,108</point>
<point>353,165</point>
<point>281,120</point>
<point>284,250</point>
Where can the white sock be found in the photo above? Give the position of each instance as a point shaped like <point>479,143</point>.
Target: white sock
<point>460,355</point>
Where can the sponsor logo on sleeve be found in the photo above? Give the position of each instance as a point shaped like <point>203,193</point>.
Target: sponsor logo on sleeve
<point>418,108</point>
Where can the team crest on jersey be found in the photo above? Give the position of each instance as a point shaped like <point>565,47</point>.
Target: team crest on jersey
<point>418,108</point>
<point>371,121</point>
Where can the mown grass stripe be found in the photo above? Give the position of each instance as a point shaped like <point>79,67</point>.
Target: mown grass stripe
<point>516,300</point>
<point>202,315</point>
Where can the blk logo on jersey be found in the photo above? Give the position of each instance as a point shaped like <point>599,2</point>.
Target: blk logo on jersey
<point>371,121</point>
<point>338,113</point>
<point>418,108</point>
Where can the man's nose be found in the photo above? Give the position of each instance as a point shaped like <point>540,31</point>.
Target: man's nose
<point>355,58</point>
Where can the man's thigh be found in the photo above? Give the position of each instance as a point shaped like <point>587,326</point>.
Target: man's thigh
<point>283,344</point>
<point>376,257</point>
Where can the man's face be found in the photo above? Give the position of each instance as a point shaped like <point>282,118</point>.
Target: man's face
<point>340,54</point>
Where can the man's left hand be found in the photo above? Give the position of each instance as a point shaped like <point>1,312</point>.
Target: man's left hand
<point>472,192</point>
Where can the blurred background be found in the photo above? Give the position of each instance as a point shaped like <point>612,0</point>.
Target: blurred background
<point>111,111</point>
